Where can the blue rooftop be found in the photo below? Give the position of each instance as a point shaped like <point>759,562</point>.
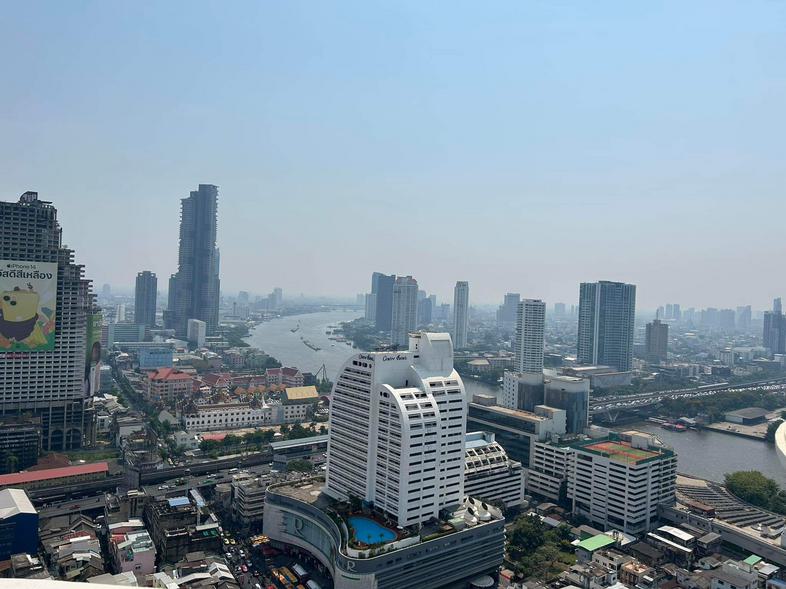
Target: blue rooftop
<point>178,501</point>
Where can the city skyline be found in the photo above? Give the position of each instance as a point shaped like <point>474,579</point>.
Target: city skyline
<point>529,116</point>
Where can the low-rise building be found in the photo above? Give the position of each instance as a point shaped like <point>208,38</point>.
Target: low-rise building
<point>489,474</point>
<point>168,385</point>
<point>288,377</point>
<point>225,416</point>
<point>131,548</point>
<point>55,477</point>
<point>18,524</point>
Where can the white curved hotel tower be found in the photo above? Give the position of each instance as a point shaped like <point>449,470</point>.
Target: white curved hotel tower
<point>397,425</point>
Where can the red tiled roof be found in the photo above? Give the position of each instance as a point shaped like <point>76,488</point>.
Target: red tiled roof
<point>19,478</point>
<point>273,371</point>
<point>168,374</point>
<point>290,371</point>
<point>213,437</point>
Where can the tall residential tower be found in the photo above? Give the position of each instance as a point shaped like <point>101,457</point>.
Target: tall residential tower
<point>606,319</point>
<point>460,314</point>
<point>194,289</point>
<point>405,310</point>
<point>145,295</point>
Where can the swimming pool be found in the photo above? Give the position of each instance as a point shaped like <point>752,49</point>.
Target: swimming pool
<point>370,532</point>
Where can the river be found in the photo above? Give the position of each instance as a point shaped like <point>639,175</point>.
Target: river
<point>705,454</point>
<point>276,338</point>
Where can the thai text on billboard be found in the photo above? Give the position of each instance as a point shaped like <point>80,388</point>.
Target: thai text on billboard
<point>28,300</point>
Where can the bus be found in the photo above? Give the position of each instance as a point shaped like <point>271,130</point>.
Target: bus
<point>290,577</point>
<point>300,573</point>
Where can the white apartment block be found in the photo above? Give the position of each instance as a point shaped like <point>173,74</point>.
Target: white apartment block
<point>248,498</point>
<point>489,475</point>
<point>618,482</point>
<point>528,345</point>
<point>460,314</point>
<point>397,427</point>
<point>196,332</point>
<point>225,416</point>
<point>548,469</point>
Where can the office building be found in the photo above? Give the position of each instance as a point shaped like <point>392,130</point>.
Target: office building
<point>507,312</point>
<point>194,289</point>
<point>47,378</point>
<point>774,333</point>
<point>388,412</point>
<point>517,430</point>
<point>124,332</point>
<point>278,297</point>
<point>460,314</point>
<point>530,325</point>
<point>572,395</point>
<point>20,443</point>
<point>744,318</point>
<point>522,390</point>
<point>18,524</point>
<point>382,290</point>
<point>619,482</point>
<point>489,474</point>
<point>396,442</point>
<point>405,310</point>
<point>657,341</point>
<point>145,296</point>
<point>559,310</point>
<point>606,321</point>
<point>196,332</point>
<point>425,311</point>
<point>370,308</point>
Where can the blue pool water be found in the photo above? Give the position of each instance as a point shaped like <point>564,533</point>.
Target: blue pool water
<point>370,532</point>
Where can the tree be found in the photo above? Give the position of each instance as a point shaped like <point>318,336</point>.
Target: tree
<point>772,427</point>
<point>753,487</point>
<point>299,465</point>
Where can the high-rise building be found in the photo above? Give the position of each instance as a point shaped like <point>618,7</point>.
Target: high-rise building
<point>278,297</point>
<point>774,333</point>
<point>46,308</point>
<point>657,341</point>
<point>570,394</point>
<point>460,314</point>
<point>559,310</point>
<point>196,332</point>
<point>676,312</point>
<point>506,314</point>
<point>194,289</point>
<point>744,318</point>
<point>145,295</point>
<point>382,289</point>
<point>370,307</point>
<point>618,483</point>
<point>425,311</point>
<point>397,426</point>
<point>405,310</point>
<point>606,320</point>
<point>530,325</point>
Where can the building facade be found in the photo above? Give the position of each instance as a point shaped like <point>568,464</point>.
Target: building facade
<point>606,322</point>
<point>489,474</point>
<point>48,383</point>
<point>530,325</point>
<point>382,293</point>
<point>194,289</point>
<point>397,425</point>
<point>145,297</point>
<point>405,310</point>
<point>460,314</point>
<point>657,341</point>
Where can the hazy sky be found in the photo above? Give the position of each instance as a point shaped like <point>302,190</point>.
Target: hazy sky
<point>523,146</point>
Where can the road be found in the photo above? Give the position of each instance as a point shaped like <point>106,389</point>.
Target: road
<point>610,403</point>
<point>73,506</point>
<point>223,476</point>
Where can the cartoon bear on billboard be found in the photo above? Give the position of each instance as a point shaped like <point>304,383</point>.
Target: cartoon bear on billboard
<point>19,316</point>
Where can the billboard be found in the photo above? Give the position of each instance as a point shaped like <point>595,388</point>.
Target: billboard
<point>28,299</point>
<point>93,354</point>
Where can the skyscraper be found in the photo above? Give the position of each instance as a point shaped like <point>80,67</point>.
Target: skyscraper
<point>406,458</point>
<point>382,289</point>
<point>657,341</point>
<point>774,333</point>
<point>194,289</point>
<point>145,298</point>
<point>506,314</point>
<point>744,317</point>
<point>45,335</point>
<point>405,310</point>
<point>460,314</point>
<point>606,319</point>
<point>530,325</point>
